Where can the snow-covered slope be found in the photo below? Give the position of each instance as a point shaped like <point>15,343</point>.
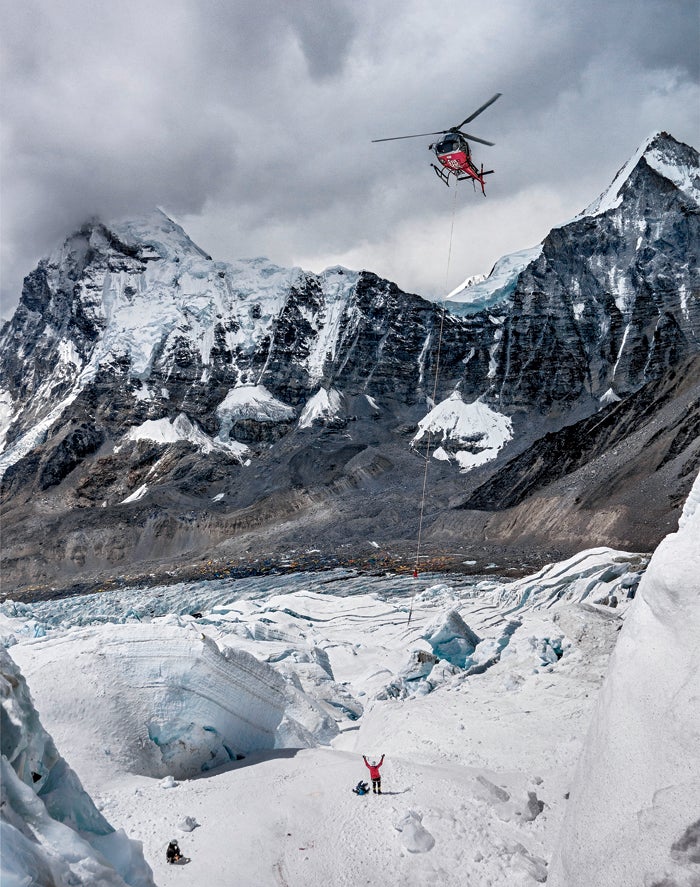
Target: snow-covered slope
<point>151,301</point>
<point>322,406</point>
<point>633,817</point>
<point>51,833</point>
<point>658,152</point>
<point>476,294</point>
<point>470,433</point>
<point>663,159</point>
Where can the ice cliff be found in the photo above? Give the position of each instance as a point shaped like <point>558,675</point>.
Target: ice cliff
<point>172,702</point>
<point>51,832</point>
<point>633,817</point>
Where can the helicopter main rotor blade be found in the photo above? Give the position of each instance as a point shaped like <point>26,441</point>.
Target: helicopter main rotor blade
<point>479,110</point>
<point>419,135</point>
<point>477,139</point>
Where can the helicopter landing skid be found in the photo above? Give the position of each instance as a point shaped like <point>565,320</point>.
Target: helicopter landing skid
<point>442,174</point>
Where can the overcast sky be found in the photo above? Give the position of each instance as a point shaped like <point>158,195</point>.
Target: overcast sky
<point>251,122</point>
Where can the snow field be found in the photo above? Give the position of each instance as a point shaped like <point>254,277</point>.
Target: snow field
<point>289,818</point>
<point>479,757</point>
<point>469,433</point>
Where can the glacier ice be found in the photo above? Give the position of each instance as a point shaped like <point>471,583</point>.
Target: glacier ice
<point>52,833</point>
<point>590,575</point>
<point>637,783</point>
<point>451,639</point>
<point>475,294</point>
<point>172,701</point>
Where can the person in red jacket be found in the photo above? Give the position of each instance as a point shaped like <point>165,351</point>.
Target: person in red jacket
<point>373,768</point>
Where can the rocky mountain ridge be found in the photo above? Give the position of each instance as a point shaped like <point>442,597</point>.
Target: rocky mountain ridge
<point>156,405</point>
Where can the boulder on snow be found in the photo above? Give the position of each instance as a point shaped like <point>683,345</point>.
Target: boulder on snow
<point>419,665</point>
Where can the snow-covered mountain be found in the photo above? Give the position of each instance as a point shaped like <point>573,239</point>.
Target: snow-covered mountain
<point>618,284</point>
<point>154,402</point>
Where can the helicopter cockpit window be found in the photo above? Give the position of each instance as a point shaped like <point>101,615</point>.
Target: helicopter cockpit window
<point>448,144</point>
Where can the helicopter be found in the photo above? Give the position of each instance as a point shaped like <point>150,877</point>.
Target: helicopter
<point>453,150</point>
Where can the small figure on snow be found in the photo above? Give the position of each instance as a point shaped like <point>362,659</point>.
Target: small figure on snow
<point>373,767</point>
<point>172,854</point>
<point>362,788</point>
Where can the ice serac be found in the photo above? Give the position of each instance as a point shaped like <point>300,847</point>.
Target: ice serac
<point>50,829</point>
<point>633,814</point>
<point>451,639</point>
<point>172,702</point>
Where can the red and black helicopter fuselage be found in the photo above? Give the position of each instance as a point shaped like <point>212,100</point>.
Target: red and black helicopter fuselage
<point>455,155</point>
<point>453,151</point>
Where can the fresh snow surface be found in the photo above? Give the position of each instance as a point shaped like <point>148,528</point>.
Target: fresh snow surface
<point>633,818</point>
<point>479,704</point>
<point>474,294</point>
<point>474,431</point>
<point>320,407</point>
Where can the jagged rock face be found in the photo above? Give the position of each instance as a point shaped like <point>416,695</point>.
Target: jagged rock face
<point>559,454</point>
<point>612,300</point>
<point>142,380</point>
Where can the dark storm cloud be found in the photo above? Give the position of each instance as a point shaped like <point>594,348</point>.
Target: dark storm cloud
<point>111,110</point>
<point>251,33</point>
<point>253,120</point>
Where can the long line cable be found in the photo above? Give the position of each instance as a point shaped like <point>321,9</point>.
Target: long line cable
<point>434,398</point>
